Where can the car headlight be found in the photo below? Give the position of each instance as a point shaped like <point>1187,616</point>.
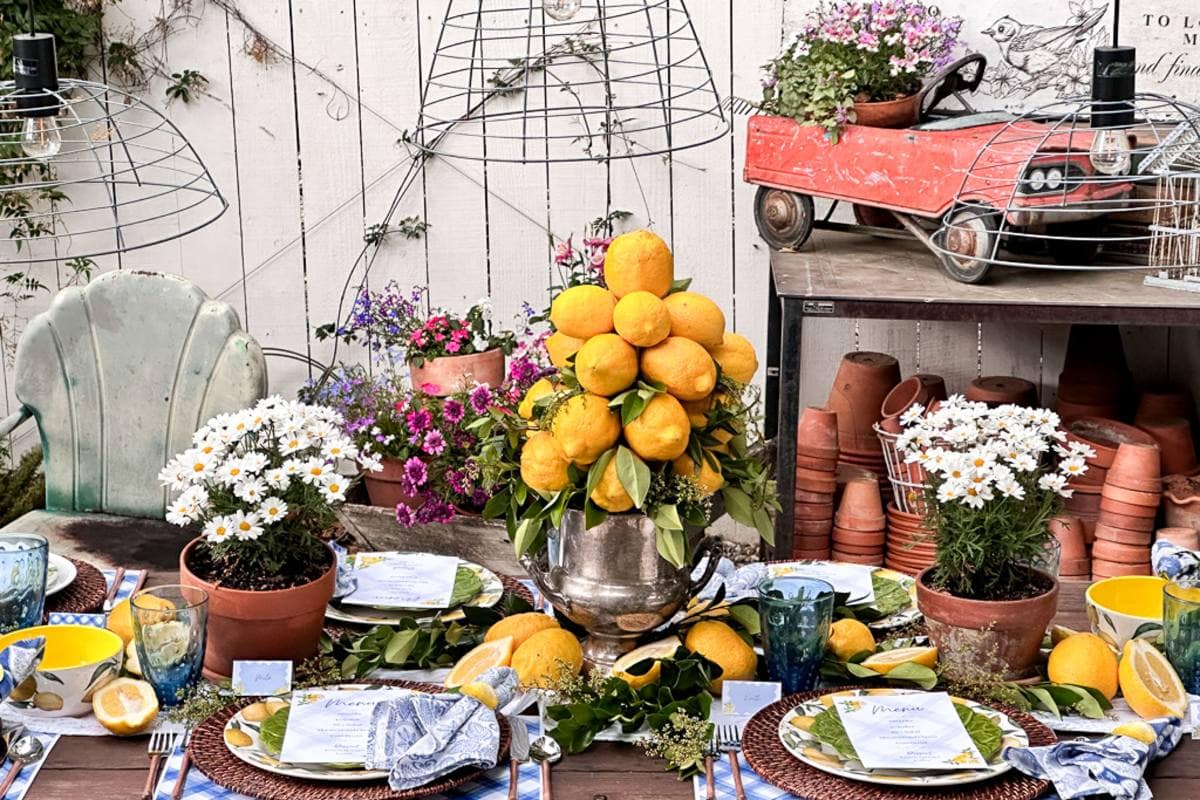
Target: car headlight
<point>1111,153</point>
<point>1054,178</point>
<point>1037,180</point>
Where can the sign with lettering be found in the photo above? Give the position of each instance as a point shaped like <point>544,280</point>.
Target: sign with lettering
<point>1166,34</point>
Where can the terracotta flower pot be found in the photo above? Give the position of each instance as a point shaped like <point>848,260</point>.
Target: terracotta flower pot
<point>1132,497</point>
<point>998,390</point>
<point>816,485</point>
<point>1077,568</point>
<point>817,432</point>
<point>1175,443</point>
<point>860,500</point>
<point>385,489</point>
<point>1070,411</point>
<point>853,558</point>
<point>802,496</point>
<point>1120,553</point>
<point>1002,636</point>
<point>909,392</point>
<point>1182,537</point>
<point>844,536</point>
<point>1113,535</point>
<point>1136,466</point>
<point>1068,531</point>
<point>813,511</point>
<point>1105,436</point>
<point>899,113</point>
<point>1161,401</point>
<point>863,380</point>
<point>811,555</point>
<point>935,387</point>
<point>1126,521</point>
<point>1181,502</point>
<point>814,527</point>
<point>1095,350</point>
<point>1112,569</point>
<point>446,375</point>
<point>819,464</point>
<point>284,624</point>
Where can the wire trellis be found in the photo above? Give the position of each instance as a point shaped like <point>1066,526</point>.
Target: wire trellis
<point>124,178</point>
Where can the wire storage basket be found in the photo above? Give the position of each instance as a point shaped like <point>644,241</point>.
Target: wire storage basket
<point>907,480</point>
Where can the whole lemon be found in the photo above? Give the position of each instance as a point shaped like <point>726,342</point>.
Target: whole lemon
<point>639,261</point>
<point>697,410</point>
<point>543,463</point>
<point>642,319</point>
<point>520,627</point>
<point>736,356</point>
<point>661,431</point>
<point>606,365</point>
<point>610,493</point>
<point>120,619</point>
<point>540,388</point>
<point>1083,659</point>
<point>696,317</point>
<point>585,427</point>
<point>720,643</point>
<point>583,311</point>
<point>541,657</point>
<point>683,366</point>
<point>561,347</point>
<point>849,637</point>
<point>707,479</point>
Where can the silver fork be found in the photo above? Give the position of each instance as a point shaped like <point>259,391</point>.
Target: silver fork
<point>730,741</point>
<point>161,743</point>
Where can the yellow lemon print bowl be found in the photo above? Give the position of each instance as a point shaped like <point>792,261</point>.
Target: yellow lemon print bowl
<point>78,660</point>
<point>1124,608</point>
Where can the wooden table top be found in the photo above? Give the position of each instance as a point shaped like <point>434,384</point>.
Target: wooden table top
<point>107,768</point>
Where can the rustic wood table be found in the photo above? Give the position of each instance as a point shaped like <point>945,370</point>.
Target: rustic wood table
<point>107,768</point>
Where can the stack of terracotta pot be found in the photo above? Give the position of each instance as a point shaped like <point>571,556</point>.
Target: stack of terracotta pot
<point>816,482</point>
<point>858,528</point>
<point>910,544</point>
<point>1104,436</point>
<point>1128,508</point>
<point>1074,563</point>
<point>1095,378</point>
<point>999,390</point>
<point>862,383</point>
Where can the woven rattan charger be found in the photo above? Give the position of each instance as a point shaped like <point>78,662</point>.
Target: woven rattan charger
<point>84,595</point>
<point>767,756</point>
<point>210,755</point>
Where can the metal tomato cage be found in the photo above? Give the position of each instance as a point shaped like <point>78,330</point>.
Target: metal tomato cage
<point>1081,184</point>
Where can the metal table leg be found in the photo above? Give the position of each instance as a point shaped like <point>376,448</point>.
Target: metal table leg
<point>787,418</point>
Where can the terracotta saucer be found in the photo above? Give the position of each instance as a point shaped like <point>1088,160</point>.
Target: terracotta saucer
<point>1146,499</point>
<point>1121,536</point>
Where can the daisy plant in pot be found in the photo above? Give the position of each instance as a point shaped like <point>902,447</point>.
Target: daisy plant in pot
<point>994,478</point>
<point>261,487</point>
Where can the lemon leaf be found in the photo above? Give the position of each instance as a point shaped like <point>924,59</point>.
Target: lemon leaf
<point>671,546</point>
<point>596,472</point>
<point>667,518</point>
<point>633,474</point>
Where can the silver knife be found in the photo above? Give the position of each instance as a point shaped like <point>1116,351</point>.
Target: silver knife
<point>518,752</point>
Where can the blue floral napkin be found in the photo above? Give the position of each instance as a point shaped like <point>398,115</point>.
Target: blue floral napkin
<point>739,582</point>
<point>1112,766</point>
<point>1174,562</point>
<point>344,582</point>
<point>18,661</point>
<point>421,737</point>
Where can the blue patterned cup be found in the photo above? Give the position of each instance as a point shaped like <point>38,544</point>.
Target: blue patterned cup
<point>23,560</point>
<point>796,613</point>
<point>1181,630</point>
<point>169,627</point>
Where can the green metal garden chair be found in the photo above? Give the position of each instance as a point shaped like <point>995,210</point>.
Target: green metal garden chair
<point>118,375</point>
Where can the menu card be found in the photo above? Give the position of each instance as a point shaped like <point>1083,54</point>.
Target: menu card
<point>330,726</point>
<point>852,579</point>
<point>403,580</point>
<point>908,731</point>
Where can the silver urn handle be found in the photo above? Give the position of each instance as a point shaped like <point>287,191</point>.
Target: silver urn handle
<point>543,577</point>
<point>710,550</point>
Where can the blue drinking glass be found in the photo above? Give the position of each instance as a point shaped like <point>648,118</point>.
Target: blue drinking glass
<point>1181,630</point>
<point>23,566</point>
<point>796,613</point>
<point>169,624</point>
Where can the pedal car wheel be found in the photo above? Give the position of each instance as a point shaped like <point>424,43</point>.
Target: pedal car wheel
<point>784,219</point>
<point>969,236</point>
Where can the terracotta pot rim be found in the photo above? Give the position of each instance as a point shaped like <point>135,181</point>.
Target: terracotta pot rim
<point>923,585</point>
<point>248,593</point>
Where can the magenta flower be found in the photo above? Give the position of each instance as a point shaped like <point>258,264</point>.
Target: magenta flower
<point>481,398</point>
<point>419,421</point>
<point>405,516</point>
<point>453,412</point>
<point>563,251</point>
<point>415,475</point>
<point>434,444</point>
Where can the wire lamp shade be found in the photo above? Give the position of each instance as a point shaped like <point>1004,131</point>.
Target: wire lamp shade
<point>547,81</point>
<point>123,177</point>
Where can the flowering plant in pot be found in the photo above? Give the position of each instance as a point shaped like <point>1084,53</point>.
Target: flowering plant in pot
<point>995,477</point>
<point>261,486</point>
<point>860,62</point>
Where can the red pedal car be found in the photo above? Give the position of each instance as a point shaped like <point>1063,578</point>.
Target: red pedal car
<point>966,184</point>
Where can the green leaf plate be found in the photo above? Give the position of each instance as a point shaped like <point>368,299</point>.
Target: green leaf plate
<point>489,595</point>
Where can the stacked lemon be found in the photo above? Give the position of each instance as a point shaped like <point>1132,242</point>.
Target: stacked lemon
<point>637,329</point>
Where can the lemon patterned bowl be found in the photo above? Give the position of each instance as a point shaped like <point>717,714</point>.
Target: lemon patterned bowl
<point>1124,608</point>
<point>78,660</point>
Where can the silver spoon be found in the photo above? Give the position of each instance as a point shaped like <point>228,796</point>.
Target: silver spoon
<point>26,750</point>
<point>545,751</point>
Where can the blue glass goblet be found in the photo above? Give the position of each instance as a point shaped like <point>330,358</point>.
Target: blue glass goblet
<point>796,613</point>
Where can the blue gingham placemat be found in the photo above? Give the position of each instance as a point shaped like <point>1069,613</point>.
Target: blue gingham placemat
<point>492,785</point>
<point>25,779</point>
<point>128,584</point>
<point>756,788</point>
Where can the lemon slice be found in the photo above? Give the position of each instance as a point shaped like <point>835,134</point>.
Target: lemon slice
<point>1136,730</point>
<point>496,653</point>
<point>125,706</point>
<point>888,660</point>
<point>664,648</point>
<point>481,692</point>
<point>132,665</point>
<point>1149,683</point>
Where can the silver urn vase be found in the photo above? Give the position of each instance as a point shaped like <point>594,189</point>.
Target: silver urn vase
<point>611,581</point>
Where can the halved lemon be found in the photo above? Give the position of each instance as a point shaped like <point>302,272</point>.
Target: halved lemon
<point>125,706</point>
<point>888,660</point>
<point>481,692</point>
<point>132,665</point>
<point>1137,730</point>
<point>664,648</point>
<point>497,653</point>
<point>1149,683</point>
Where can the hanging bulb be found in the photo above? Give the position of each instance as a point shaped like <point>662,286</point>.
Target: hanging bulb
<point>40,138</point>
<point>562,10</point>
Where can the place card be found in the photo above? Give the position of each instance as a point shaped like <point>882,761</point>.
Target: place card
<point>331,726</point>
<point>747,698</point>
<point>908,731</point>
<point>849,579</point>
<point>261,678</point>
<point>403,580</point>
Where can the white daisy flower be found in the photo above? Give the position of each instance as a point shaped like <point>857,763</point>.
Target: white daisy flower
<point>1009,487</point>
<point>293,442</point>
<point>1052,482</point>
<point>314,470</point>
<point>246,527</point>
<point>278,479</point>
<point>333,487</point>
<point>251,490</point>
<point>1072,467</point>
<point>336,449</point>
<point>293,467</point>
<point>254,462</point>
<point>219,529</point>
<point>231,472</point>
<point>272,510</point>
<point>912,414</point>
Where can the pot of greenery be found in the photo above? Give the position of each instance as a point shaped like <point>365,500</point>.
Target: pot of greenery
<point>261,485</point>
<point>995,478</point>
<point>860,63</point>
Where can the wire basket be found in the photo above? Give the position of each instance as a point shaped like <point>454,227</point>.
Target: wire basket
<point>907,480</point>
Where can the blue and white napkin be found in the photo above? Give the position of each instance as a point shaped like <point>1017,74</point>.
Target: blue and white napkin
<point>18,661</point>
<point>344,581</point>
<point>421,737</point>
<point>1174,562</point>
<point>739,582</point>
<point>1112,766</point>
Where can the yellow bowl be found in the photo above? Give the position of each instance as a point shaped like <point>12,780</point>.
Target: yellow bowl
<point>78,660</point>
<point>1124,608</point>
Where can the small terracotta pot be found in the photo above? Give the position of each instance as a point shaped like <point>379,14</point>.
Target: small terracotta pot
<point>1136,464</point>
<point>819,464</point>
<point>817,431</point>
<point>813,511</point>
<point>863,380</point>
<point>1133,497</point>
<point>813,527</point>
<point>898,113</point>
<point>858,538</point>
<point>891,425</point>
<point>853,558</point>
<point>1112,569</point>
<point>1182,507</point>
<point>449,374</point>
<point>1175,443</point>
<point>1126,522</point>
<point>801,496</point>
<point>384,488</point>
<point>811,555</point>
<point>1183,537</point>
<point>857,549</point>
<point>935,386</point>
<point>1095,350</point>
<point>816,485</point>
<point>1105,436</point>
<point>1120,553</point>
<point>998,390</point>
<point>1108,533</point>
<point>1075,568</point>
<point>860,499</point>
<point>1070,411</point>
<point>909,392</point>
<point>1001,635</point>
<point>1160,401</point>
<point>1068,531</point>
<point>870,525</point>
<point>280,625</point>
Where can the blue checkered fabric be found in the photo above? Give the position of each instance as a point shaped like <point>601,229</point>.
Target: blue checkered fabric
<point>492,785</point>
<point>756,788</point>
<point>25,779</point>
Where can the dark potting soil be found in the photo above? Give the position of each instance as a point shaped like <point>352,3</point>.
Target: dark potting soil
<point>1037,584</point>
<point>230,574</point>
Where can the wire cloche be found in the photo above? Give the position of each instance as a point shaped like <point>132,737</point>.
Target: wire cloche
<point>544,81</point>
